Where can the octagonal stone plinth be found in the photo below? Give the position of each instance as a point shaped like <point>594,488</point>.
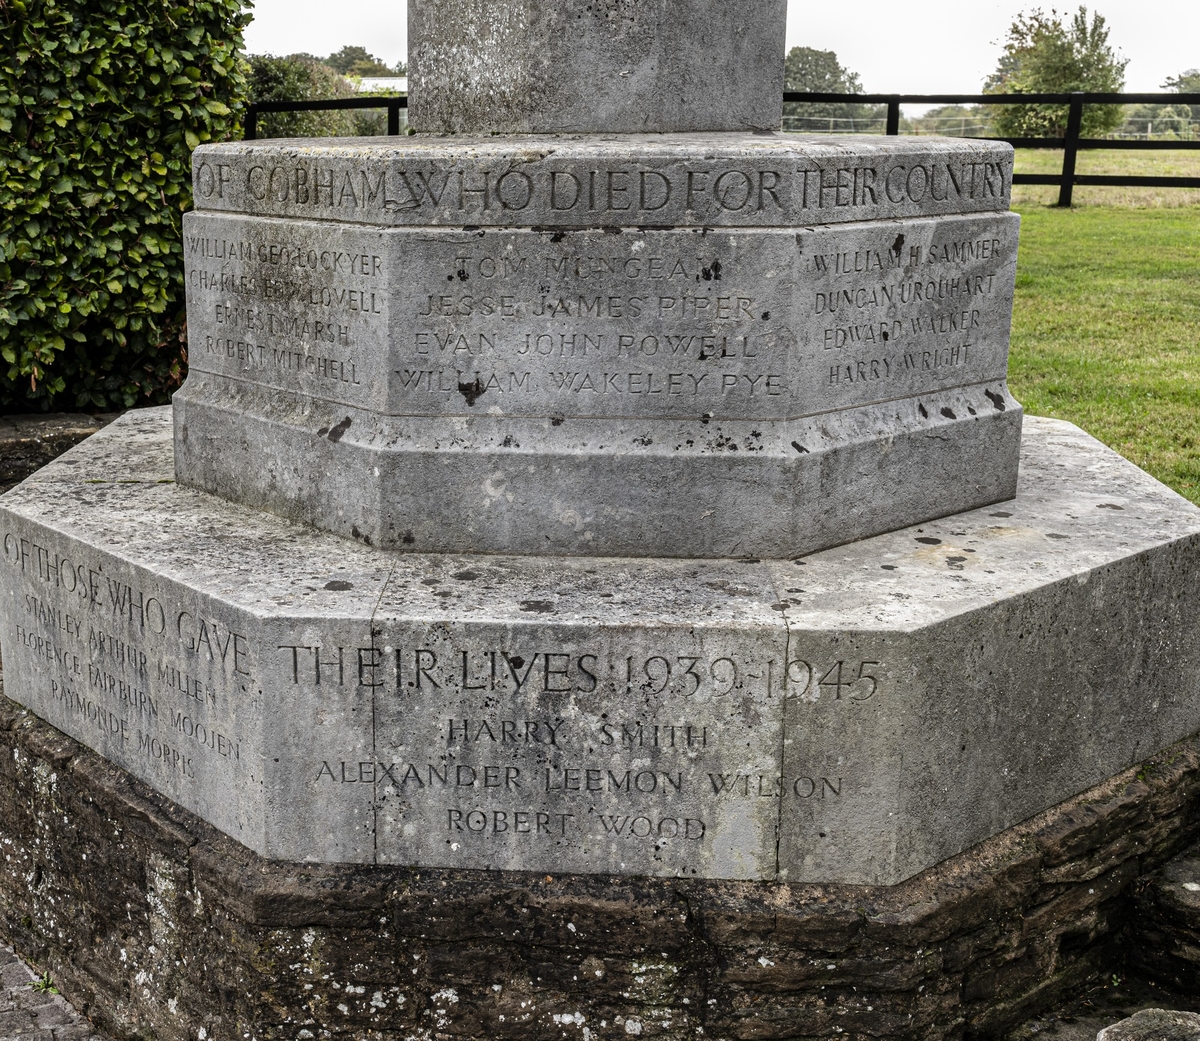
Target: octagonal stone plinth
<point>680,345</point>
<point>852,716</point>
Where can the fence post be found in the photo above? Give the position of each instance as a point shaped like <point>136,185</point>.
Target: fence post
<point>1070,147</point>
<point>251,129</point>
<point>393,117</point>
<point>893,116</point>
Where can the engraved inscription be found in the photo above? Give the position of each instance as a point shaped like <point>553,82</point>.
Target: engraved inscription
<point>287,313</point>
<point>660,754</point>
<point>747,325</point>
<point>661,775</point>
<point>540,672</point>
<point>651,326</point>
<point>776,188</point>
<point>145,676</point>
<point>926,308</point>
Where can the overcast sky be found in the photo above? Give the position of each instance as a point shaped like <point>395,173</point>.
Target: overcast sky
<point>937,46</point>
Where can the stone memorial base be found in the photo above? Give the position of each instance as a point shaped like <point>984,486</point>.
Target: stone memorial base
<point>711,487</point>
<point>640,345</point>
<point>155,924</point>
<point>854,716</point>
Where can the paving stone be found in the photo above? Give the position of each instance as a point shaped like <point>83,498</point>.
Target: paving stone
<point>35,1015</point>
<point>55,1013</point>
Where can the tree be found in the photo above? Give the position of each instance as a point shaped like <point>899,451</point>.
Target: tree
<point>808,69</point>
<point>1178,121</point>
<point>1185,83</point>
<point>1157,121</point>
<point>805,68</point>
<point>356,61</point>
<point>299,78</point>
<point>1043,55</point>
<point>955,121</point>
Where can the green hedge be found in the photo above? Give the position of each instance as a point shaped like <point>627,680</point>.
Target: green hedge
<point>101,104</point>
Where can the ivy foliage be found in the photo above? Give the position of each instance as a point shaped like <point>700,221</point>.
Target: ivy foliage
<point>101,105</point>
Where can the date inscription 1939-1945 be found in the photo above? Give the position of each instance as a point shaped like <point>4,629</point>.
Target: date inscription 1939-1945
<point>550,672</point>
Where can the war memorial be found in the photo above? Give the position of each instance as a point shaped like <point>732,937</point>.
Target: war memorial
<point>595,581</point>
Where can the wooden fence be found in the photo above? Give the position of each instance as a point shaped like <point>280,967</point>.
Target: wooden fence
<point>1070,144</point>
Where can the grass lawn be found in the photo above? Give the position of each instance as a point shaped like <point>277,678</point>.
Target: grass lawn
<point>1106,330</point>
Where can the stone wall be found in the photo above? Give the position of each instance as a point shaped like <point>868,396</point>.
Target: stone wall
<point>156,925</point>
<point>1164,943</point>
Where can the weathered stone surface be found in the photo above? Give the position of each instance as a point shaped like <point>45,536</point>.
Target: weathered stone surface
<point>639,489</point>
<point>645,66</point>
<point>30,442</point>
<point>1154,1024</point>
<point>652,393</point>
<point>135,888</point>
<point>604,181</point>
<point>680,345</point>
<point>729,325</point>
<point>589,710</point>
<point>844,717</point>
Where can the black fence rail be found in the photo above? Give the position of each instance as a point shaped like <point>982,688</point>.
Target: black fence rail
<point>393,103</point>
<point>1070,143</point>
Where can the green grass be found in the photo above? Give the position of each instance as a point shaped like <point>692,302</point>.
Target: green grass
<point>1106,330</point>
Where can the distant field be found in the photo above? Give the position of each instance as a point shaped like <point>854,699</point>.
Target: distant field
<point>1141,164</point>
<point>1106,329</point>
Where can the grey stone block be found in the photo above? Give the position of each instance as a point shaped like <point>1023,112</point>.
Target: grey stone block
<point>479,66</point>
<point>766,324</point>
<point>56,1015</point>
<point>575,717</point>
<point>657,393</point>
<point>606,181</point>
<point>1154,1024</point>
<point>495,486</point>
<point>801,720</point>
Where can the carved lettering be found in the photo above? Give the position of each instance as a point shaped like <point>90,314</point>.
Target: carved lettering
<point>764,786</point>
<point>507,822</point>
